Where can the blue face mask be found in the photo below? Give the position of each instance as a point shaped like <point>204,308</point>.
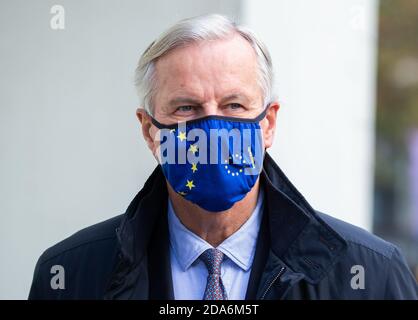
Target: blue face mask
<point>212,161</point>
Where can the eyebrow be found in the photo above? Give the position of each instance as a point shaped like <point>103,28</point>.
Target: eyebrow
<point>234,96</point>
<point>187,100</point>
<point>183,100</point>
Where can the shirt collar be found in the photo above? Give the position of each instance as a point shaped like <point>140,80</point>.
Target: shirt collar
<point>239,247</point>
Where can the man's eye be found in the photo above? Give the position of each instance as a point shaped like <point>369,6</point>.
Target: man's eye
<point>235,106</point>
<point>184,108</point>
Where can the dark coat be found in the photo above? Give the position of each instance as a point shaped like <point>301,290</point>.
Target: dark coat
<point>300,254</point>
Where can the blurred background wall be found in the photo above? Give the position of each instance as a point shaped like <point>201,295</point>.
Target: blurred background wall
<point>71,150</point>
<point>325,63</point>
<point>396,150</point>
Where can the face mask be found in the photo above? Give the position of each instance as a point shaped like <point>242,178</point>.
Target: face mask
<point>212,161</point>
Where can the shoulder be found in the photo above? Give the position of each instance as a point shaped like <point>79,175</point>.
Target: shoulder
<point>358,237</point>
<point>386,272</point>
<point>85,260</point>
<point>99,232</point>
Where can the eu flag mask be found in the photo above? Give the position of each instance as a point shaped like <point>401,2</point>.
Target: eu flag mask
<point>212,161</point>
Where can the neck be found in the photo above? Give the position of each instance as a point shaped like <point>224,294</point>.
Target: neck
<point>212,227</point>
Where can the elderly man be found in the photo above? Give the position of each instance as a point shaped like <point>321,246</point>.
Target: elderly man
<point>217,220</point>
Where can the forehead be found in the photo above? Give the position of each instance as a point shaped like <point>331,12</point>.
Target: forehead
<point>208,69</point>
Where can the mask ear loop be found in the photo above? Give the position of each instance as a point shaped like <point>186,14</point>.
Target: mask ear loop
<point>160,125</point>
<point>262,115</point>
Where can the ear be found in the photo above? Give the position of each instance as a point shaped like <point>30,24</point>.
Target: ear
<point>268,124</point>
<point>147,128</point>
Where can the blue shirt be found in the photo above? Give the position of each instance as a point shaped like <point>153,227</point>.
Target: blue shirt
<point>189,273</point>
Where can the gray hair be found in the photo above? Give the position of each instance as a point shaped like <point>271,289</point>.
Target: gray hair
<point>192,30</point>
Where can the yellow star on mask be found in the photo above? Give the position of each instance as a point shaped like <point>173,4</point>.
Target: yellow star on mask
<point>194,167</point>
<point>193,148</point>
<point>182,136</point>
<point>190,184</point>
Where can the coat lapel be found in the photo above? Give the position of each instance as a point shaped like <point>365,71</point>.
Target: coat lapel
<point>260,257</point>
<point>159,265</point>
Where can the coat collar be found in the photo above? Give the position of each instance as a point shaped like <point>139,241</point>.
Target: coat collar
<point>302,240</point>
<point>298,239</point>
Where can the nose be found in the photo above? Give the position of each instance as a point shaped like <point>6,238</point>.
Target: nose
<point>210,109</point>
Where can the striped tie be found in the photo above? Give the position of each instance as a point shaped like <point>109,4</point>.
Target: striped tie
<point>214,288</point>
